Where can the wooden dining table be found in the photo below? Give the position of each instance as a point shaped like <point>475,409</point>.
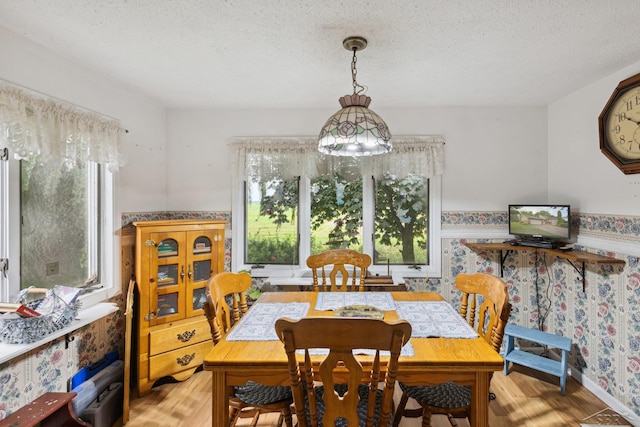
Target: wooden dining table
<point>434,360</point>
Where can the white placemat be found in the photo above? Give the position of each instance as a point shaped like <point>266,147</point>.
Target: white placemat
<point>258,323</point>
<point>407,350</point>
<point>431,319</point>
<point>332,300</point>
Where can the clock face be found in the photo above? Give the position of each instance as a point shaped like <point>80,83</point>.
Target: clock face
<point>619,126</point>
<point>622,127</point>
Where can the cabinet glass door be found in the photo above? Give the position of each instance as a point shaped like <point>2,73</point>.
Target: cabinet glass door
<point>200,261</point>
<point>199,298</point>
<point>166,291</point>
<point>167,304</point>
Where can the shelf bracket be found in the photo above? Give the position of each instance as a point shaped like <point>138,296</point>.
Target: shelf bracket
<point>68,338</point>
<point>502,260</point>
<point>580,271</point>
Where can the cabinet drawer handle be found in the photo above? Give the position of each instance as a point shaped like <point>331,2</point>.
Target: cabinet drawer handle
<point>186,335</point>
<point>186,359</point>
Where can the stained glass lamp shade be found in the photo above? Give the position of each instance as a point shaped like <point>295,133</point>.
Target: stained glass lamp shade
<point>354,130</point>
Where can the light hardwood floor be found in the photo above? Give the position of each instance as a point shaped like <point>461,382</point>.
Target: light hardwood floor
<point>524,398</point>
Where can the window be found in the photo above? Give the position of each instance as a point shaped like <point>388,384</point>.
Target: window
<point>271,223</point>
<point>54,232</point>
<point>56,195</point>
<point>336,213</point>
<point>336,202</point>
<point>59,223</point>
<point>401,218</point>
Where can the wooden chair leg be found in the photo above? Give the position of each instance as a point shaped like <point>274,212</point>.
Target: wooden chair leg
<point>397,417</point>
<point>234,414</point>
<point>288,419</point>
<point>426,417</point>
<point>254,420</point>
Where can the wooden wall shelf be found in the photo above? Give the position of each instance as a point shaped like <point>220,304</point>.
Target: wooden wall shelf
<point>573,256</point>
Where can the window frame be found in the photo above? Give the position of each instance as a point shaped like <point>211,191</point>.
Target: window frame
<point>300,274</point>
<point>10,230</point>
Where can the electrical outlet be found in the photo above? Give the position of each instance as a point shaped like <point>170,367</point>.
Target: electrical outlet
<point>53,268</point>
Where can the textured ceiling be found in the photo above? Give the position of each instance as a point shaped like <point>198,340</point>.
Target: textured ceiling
<point>289,54</point>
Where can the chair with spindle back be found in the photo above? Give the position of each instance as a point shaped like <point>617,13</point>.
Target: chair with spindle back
<point>225,305</point>
<point>345,264</point>
<point>485,306</point>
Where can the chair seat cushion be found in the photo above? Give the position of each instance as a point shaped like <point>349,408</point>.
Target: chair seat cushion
<point>363,392</point>
<point>258,394</point>
<point>447,395</point>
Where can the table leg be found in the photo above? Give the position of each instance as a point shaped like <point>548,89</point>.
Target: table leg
<point>219,402</point>
<point>480,400</point>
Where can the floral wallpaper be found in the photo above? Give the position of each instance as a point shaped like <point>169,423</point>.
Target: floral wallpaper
<point>51,366</point>
<point>603,320</point>
<point>546,292</point>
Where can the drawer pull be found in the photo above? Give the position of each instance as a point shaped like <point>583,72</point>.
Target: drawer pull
<point>186,335</point>
<point>186,359</point>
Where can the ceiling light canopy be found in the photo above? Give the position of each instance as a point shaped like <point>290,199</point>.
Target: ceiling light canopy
<point>354,130</point>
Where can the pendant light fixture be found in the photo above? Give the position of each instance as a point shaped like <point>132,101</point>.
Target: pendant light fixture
<point>354,130</point>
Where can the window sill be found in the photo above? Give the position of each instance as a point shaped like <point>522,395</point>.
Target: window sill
<point>305,281</point>
<point>86,316</point>
<point>285,275</point>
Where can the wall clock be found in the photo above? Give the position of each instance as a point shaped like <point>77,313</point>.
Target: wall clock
<point>619,126</point>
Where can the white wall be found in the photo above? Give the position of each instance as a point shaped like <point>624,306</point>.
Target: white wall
<point>493,156</point>
<point>578,171</point>
<point>140,189</point>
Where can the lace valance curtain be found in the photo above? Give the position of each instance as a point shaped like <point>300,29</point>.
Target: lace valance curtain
<point>287,157</point>
<point>57,131</point>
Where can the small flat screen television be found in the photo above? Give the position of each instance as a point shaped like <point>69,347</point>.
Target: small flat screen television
<point>540,222</point>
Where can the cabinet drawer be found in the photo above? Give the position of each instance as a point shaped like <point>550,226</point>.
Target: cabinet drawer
<point>178,360</point>
<point>175,337</point>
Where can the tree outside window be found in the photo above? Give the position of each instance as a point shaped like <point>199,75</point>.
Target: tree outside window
<point>401,212</point>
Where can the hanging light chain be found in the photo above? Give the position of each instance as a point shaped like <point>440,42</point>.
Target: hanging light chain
<point>354,71</point>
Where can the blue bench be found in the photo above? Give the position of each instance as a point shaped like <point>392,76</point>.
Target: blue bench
<point>534,361</point>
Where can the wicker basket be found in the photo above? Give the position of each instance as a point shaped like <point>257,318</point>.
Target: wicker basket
<point>56,313</point>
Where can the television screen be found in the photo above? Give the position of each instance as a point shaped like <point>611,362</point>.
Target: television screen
<point>548,222</point>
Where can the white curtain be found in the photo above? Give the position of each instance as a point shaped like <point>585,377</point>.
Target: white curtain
<point>56,131</point>
<point>287,157</point>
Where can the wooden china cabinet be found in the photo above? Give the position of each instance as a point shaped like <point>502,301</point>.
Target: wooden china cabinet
<point>173,262</point>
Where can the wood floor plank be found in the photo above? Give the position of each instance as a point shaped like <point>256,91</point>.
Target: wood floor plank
<point>523,398</point>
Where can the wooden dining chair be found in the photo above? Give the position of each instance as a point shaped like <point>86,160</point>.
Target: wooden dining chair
<point>342,391</point>
<point>486,308</point>
<point>345,264</point>
<point>225,305</point>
